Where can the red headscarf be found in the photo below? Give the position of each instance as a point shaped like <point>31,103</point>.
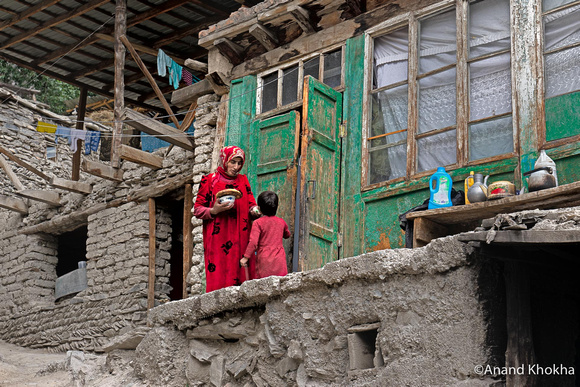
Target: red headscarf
<point>228,153</point>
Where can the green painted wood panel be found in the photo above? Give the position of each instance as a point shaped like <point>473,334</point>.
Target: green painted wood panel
<point>274,148</point>
<point>562,116</point>
<point>241,111</point>
<point>352,206</point>
<point>320,181</point>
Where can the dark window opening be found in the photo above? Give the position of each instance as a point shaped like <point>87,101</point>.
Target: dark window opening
<point>72,249</point>
<point>176,251</point>
<point>363,349</point>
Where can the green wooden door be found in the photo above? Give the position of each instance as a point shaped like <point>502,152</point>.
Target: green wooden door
<point>272,167</point>
<point>320,174</point>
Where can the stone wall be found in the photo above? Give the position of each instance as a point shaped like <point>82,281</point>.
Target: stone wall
<point>393,317</point>
<point>115,300</point>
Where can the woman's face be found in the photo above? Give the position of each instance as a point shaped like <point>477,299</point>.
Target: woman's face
<point>234,166</point>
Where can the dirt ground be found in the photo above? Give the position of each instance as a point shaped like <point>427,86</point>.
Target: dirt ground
<point>24,367</point>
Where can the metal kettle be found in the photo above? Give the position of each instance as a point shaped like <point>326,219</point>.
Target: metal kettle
<point>478,191</point>
<point>543,175</point>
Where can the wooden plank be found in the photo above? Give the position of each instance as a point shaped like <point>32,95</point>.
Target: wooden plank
<point>196,65</point>
<point>232,51</point>
<point>13,204</point>
<point>188,95</point>
<point>264,36</point>
<point>102,170</point>
<point>302,17</point>
<point>140,157</point>
<point>151,278</point>
<point>49,197</point>
<point>424,230</point>
<point>514,237</point>
<point>219,86</point>
<point>161,188</point>
<point>155,128</point>
<point>69,185</point>
<point>23,164</point>
<point>557,197</point>
<point>11,175</point>
<point>149,77</point>
<point>187,236</point>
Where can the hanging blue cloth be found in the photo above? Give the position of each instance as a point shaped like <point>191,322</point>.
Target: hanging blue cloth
<point>175,71</point>
<point>163,62</point>
<point>92,141</point>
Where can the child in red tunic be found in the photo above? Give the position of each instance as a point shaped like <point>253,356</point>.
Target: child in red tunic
<point>266,238</point>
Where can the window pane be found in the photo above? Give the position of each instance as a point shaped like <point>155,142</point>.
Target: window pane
<point>437,101</point>
<point>562,28</point>
<point>437,151</point>
<point>333,68</point>
<point>389,111</point>
<point>489,27</point>
<point>551,4</point>
<point>391,58</point>
<point>290,85</point>
<point>561,70</point>
<point>386,164</point>
<point>490,87</point>
<point>312,67</point>
<point>437,46</point>
<point>269,92</point>
<point>563,116</point>
<point>491,138</point>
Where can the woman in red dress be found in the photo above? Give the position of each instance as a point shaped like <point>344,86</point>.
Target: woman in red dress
<point>226,226</point>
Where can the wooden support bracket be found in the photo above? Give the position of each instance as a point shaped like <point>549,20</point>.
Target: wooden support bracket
<point>264,36</point>
<point>424,230</point>
<point>155,128</point>
<point>73,186</point>
<point>11,175</point>
<point>13,204</point>
<point>188,95</point>
<point>48,197</point>
<point>217,83</point>
<point>302,17</point>
<point>141,157</point>
<point>196,65</point>
<point>233,51</point>
<point>102,170</point>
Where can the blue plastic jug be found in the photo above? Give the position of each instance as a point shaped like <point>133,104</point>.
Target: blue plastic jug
<point>440,185</point>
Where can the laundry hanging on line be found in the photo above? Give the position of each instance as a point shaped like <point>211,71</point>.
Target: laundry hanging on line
<point>91,138</point>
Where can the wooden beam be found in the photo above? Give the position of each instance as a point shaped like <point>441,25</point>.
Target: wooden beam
<point>185,123</point>
<point>11,175</point>
<point>141,157</point>
<point>13,204</point>
<point>219,86</point>
<point>233,51</point>
<point>424,230</point>
<point>69,185</point>
<point>48,197</point>
<point>23,164</point>
<point>119,105</point>
<point>527,237</point>
<point>155,128</point>
<point>151,279</point>
<point>187,236</point>
<point>139,47</point>
<point>196,65</point>
<point>149,77</point>
<point>163,187</point>
<point>76,161</point>
<point>264,36</point>
<point>302,17</point>
<point>188,95</point>
<point>102,170</point>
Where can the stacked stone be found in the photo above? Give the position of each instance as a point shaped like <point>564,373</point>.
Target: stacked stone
<point>204,135</point>
<point>163,241</point>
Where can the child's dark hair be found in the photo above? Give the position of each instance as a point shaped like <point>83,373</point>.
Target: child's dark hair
<point>268,202</point>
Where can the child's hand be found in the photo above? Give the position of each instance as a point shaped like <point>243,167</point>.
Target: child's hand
<point>244,262</point>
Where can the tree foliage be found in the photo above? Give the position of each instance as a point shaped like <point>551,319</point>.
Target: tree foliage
<point>52,92</point>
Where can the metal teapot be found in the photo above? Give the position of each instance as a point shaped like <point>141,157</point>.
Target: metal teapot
<point>541,178</point>
<point>478,191</point>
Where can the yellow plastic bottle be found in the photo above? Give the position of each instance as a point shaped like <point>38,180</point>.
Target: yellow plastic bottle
<point>468,183</point>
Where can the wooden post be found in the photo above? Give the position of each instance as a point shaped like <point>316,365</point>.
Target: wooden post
<point>520,345</point>
<point>187,237</point>
<point>81,112</point>
<point>151,285</point>
<point>120,30</point>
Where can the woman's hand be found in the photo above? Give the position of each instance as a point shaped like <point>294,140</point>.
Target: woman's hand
<point>255,212</point>
<point>220,207</point>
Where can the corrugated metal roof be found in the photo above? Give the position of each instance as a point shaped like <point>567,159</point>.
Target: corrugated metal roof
<point>72,40</point>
